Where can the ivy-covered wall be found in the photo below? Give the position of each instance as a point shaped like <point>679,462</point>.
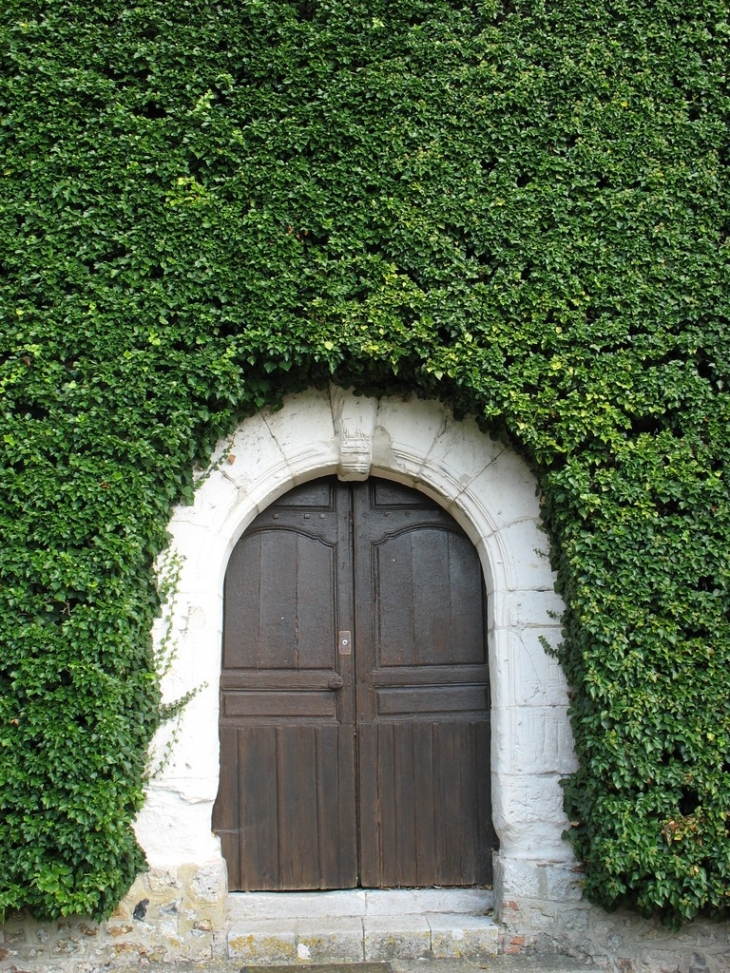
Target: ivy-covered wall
<point>520,208</point>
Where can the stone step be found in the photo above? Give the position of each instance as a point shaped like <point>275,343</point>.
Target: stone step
<point>268,928</point>
<point>359,902</point>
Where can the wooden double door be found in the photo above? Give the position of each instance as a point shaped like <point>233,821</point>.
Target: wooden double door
<point>354,721</point>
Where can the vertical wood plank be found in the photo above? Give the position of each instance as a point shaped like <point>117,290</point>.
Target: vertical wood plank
<point>335,783</point>
<point>258,804</point>
<point>469,830</point>
<point>387,805</point>
<point>298,830</point>
<point>370,853</point>
<point>328,819</point>
<point>315,626</point>
<point>487,839</point>
<point>392,601</point>
<point>464,586</point>
<point>403,785</point>
<point>448,796</point>
<point>346,828</point>
<point>242,596</point>
<point>425,872</point>
<point>434,636</point>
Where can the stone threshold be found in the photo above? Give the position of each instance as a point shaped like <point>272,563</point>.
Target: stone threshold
<point>359,925</point>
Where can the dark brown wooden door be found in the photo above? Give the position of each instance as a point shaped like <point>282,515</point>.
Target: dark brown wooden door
<point>354,696</point>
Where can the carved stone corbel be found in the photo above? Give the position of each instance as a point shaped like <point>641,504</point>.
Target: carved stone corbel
<point>354,421</point>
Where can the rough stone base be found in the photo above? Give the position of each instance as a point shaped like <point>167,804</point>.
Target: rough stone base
<point>166,915</point>
<point>187,914</point>
<point>541,912</point>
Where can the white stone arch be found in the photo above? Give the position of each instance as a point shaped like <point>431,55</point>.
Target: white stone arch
<point>492,494</point>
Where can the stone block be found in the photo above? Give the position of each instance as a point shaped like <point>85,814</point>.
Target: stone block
<point>463,937</point>
<point>398,902</point>
<point>197,624</point>
<point>190,534</point>
<point>533,740</point>
<point>529,676</point>
<point>338,940</point>
<point>173,830</point>
<point>525,609</point>
<point>508,487</point>
<point>540,680</point>
<point>553,887</point>
<point>304,432</point>
<point>461,452</point>
<point>296,905</point>
<point>210,882</point>
<point>57,966</point>
<point>256,446</point>
<point>532,805</point>
<point>519,879</point>
<point>353,418</point>
<point>215,493</point>
<point>188,773</point>
<point>202,562</point>
<point>656,961</point>
<point>399,433</point>
<point>562,883</point>
<point>263,942</point>
<point>718,962</point>
<point>527,565</point>
<point>385,939</point>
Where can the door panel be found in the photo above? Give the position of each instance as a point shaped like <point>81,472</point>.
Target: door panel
<point>281,822</point>
<point>426,582</point>
<point>365,764</point>
<point>431,699</point>
<point>419,609</point>
<point>273,703</point>
<point>286,804</point>
<point>282,614</point>
<point>425,809</point>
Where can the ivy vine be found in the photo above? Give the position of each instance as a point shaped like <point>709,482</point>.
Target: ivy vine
<point>520,208</point>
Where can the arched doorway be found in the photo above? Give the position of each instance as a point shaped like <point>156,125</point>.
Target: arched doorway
<point>491,495</point>
<point>354,718</point>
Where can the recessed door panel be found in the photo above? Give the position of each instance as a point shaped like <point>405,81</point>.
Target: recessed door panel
<point>427,582</point>
<point>279,587</point>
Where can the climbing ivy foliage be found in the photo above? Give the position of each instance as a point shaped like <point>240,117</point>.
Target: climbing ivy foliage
<point>520,208</point>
